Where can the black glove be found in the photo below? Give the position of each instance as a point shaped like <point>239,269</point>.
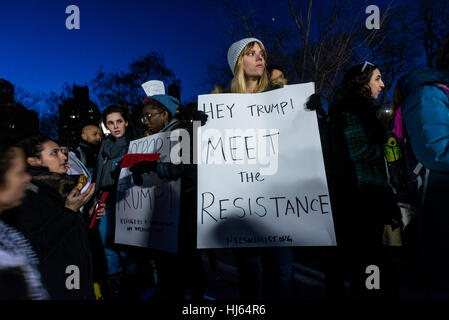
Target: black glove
<point>314,102</point>
<point>142,167</point>
<point>199,115</point>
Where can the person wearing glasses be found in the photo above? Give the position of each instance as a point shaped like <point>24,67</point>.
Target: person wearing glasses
<point>361,198</point>
<point>158,118</point>
<point>183,271</point>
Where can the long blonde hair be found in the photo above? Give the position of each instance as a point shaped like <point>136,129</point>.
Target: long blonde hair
<point>238,83</point>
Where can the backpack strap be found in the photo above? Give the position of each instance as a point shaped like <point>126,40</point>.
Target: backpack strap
<point>443,88</point>
<point>421,180</point>
<point>418,168</point>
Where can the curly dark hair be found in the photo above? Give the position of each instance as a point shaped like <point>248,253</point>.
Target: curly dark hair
<point>355,81</point>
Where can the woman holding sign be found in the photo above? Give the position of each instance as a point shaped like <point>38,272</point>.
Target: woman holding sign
<point>184,270</point>
<point>359,189</point>
<point>247,60</point>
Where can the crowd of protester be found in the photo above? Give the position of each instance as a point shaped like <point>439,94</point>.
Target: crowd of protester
<point>48,224</point>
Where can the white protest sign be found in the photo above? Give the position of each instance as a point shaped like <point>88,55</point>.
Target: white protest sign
<point>261,175</point>
<point>153,87</point>
<point>147,215</point>
<point>78,168</point>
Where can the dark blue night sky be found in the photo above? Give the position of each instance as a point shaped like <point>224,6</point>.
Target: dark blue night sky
<point>40,54</point>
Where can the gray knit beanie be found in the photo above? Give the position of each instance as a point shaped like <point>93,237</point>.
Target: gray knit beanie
<point>236,48</point>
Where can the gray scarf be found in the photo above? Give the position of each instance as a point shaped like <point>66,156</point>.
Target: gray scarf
<point>107,173</point>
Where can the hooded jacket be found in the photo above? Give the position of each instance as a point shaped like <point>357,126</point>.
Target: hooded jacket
<point>425,112</point>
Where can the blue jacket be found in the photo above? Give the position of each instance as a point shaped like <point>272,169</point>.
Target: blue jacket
<point>425,112</point>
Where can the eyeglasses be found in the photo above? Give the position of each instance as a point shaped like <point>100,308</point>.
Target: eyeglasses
<point>365,64</point>
<point>146,117</point>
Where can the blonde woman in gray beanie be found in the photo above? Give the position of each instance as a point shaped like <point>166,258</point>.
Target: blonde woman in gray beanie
<point>247,60</point>
<point>264,273</point>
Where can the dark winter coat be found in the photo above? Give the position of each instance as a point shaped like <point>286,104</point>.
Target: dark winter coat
<point>425,114</point>
<point>57,234</point>
<point>361,200</point>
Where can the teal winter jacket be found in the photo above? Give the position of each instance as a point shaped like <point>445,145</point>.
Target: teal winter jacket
<point>425,113</point>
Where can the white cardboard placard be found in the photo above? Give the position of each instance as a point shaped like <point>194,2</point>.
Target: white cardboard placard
<point>261,175</point>
<point>148,215</point>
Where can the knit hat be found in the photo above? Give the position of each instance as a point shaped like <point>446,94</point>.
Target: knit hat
<point>167,101</point>
<point>236,48</point>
